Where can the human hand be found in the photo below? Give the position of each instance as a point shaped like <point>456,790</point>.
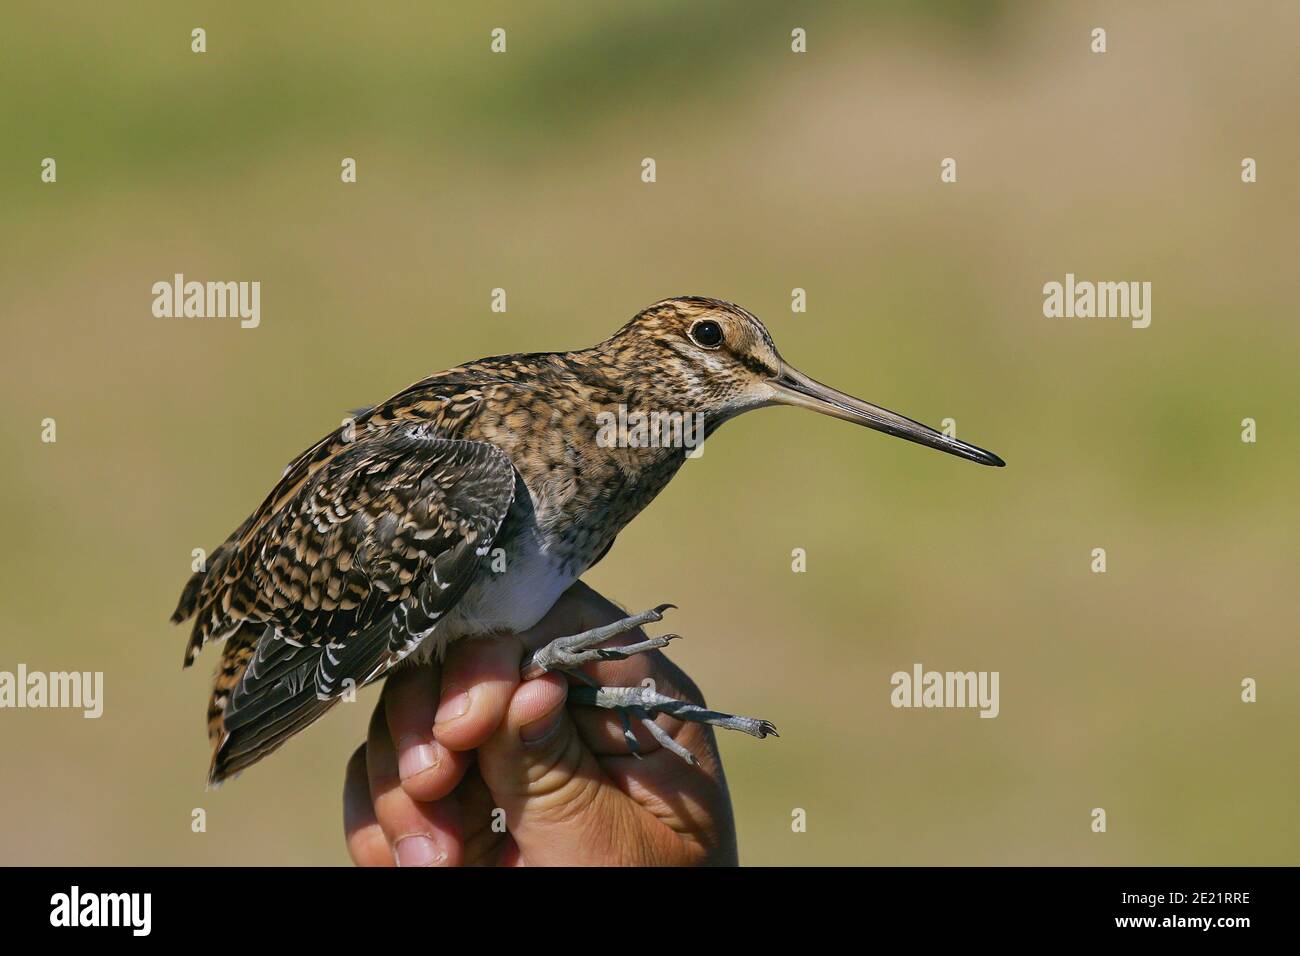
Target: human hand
<point>452,748</point>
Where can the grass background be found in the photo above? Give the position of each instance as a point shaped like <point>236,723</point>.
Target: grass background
<point>775,170</point>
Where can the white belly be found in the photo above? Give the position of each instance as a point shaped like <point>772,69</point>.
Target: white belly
<point>512,600</point>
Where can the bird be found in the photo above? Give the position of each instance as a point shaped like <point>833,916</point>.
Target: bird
<point>465,505</point>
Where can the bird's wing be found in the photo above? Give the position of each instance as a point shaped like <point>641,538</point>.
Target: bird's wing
<point>341,578</point>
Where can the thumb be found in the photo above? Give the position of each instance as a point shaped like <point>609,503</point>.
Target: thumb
<point>560,807</point>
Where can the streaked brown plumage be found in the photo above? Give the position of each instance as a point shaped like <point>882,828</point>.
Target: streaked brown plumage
<point>378,539</point>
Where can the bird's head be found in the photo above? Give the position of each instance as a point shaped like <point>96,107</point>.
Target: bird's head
<point>696,355</point>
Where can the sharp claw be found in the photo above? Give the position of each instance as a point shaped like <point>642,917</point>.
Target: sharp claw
<point>665,607</point>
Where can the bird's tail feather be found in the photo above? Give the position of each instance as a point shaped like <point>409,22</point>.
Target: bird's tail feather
<point>266,690</point>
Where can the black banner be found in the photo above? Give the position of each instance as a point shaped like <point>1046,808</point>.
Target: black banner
<point>333,906</point>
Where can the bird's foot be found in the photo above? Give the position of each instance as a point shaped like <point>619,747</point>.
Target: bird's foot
<point>643,703</point>
<point>645,699</point>
<point>571,652</point>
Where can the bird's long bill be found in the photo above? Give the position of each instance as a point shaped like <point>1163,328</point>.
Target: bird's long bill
<point>792,387</point>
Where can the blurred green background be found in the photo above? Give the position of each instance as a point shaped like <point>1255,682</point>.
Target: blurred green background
<point>775,171</point>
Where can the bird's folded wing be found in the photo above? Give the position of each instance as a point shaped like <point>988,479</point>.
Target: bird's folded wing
<point>354,565</point>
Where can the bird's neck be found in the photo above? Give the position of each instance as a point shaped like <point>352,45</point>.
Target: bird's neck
<point>598,447</point>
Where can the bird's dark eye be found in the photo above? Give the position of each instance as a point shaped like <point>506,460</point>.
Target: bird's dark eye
<point>707,334</point>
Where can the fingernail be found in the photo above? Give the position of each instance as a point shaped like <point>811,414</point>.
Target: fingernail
<point>542,728</point>
<point>453,707</point>
<point>417,851</point>
<point>414,756</point>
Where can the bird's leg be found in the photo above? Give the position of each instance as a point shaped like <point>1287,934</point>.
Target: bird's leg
<point>569,653</point>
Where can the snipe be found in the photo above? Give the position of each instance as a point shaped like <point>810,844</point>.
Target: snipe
<point>381,540</point>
